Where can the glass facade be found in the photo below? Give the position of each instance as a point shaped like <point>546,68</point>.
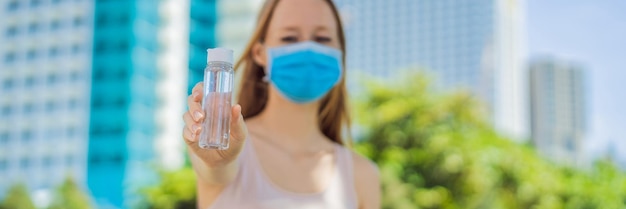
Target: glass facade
<point>558,109</point>
<point>91,87</point>
<point>44,82</point>
<point>202,23</point>
<point>121,125</point>
<point>473,45</point>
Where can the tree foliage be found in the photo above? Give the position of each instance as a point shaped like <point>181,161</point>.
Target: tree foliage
<point>436,151</point>
<point>17,197</point>
<point>69,196</point>
<point>176,190</point>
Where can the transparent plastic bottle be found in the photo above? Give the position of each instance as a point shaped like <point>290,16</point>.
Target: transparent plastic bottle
<point>216,101</point>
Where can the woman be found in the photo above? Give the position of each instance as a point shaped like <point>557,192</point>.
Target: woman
<point>286,152</point>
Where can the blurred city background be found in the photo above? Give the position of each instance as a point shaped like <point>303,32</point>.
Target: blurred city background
<point>470,104</point>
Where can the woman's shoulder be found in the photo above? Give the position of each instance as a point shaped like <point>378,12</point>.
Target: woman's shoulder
<point>366,180</point>
<point>364,168</point>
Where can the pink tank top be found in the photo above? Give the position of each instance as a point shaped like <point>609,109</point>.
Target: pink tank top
<point>252,189</point>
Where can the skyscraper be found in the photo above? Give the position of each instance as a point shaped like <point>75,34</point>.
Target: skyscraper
<point>237,19</point>
<point>557,109</point>
<point>202,32</point>
<point>123,103</point>
<point>45,70</point>
<point>144,51</point>
<point>474,45</point>
<point>95,90</point>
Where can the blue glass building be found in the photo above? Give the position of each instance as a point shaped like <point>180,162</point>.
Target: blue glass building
<point>123,97</point>
<point>202,36</point>
<point>122,100</point>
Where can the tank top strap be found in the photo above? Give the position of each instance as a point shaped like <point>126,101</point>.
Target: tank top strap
<point>346,175</point>
<point>344,161</point>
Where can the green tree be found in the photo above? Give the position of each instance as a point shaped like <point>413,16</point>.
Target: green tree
<point>176,190</point>
<point>435,150</point>
<point>17,197</point>
<point>69,196</point>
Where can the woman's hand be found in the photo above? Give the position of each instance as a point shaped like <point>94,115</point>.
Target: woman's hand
<point>211,164</point>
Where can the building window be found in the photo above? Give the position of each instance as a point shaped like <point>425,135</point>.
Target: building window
<point>8,84</point>
<point>33,27</point>
<point>73,103</point>
<point>7,110</point>
<point>10,57</point>
<point>11,31</point>
<point>30,81</point>
<point>124,18</point>
<point>75,76</point>
<point>101,20</point>
<point>50,106</point>
<point>48,161</point>
<point>35,3</point>
<point>117,158</point>
<point>3,165</point>
<point>53,133</point>
<point>76,48</point>
<point>52,78</point>
<point>4,139</point>
<point>27,135</point>
<point>123,46</point>
<point>100,47</point>
<point>118,130</point>
<point>54,51</point>
<point>99,74</point>
<point>122,74</point>
<point>25,163</point>
<point>29,108</point>
<point>71,131</point>
<point>31,54</point>
<point>69,160</point>
<point>55,25</point>
<point>78,21</point>
<point>97,103</point>
<point>95,159</point>
<point>120,102</point>
<point>13,5</point>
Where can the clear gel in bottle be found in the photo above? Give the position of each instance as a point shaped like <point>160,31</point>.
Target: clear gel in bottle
<point>216,101</point>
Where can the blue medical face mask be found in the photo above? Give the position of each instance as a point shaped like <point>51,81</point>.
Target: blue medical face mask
<point>304,72</point>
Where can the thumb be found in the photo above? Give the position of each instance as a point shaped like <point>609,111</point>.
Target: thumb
<point>238,129</point>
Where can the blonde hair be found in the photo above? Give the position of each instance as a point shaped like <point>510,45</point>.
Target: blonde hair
<point>333,116</point>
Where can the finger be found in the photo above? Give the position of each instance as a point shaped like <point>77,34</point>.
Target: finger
<point>195,107</point>
<point>192,125</point>
<point>190,138</point>
<point>238,129</point>
<point>198,87</point>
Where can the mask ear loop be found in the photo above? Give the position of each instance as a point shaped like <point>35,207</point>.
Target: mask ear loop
<point>266,70</point>
<point>266,77</point>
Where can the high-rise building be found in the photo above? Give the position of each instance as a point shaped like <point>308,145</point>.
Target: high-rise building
<point>203,18</point>
<point>123,99</point>
<point>474,45</point>
<point>45,72</point>
<point>142,52</point>
<point>557,109</point>
<point>237,19</point>
<point>105,85</point>
<point>236,22</point>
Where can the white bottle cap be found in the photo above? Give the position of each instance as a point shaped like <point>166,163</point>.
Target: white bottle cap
<point>219,54</point>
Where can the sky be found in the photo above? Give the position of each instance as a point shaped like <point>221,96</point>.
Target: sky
<point>592,33</point>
